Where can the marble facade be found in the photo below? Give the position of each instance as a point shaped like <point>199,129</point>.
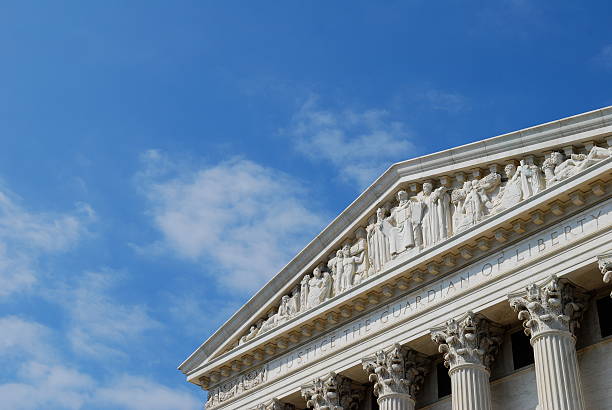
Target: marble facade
<point>435,265</point>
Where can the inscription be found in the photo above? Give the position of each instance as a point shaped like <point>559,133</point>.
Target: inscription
<point>514,256</point>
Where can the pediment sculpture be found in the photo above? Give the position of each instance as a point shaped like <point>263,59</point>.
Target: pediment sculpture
<point>412,223</point>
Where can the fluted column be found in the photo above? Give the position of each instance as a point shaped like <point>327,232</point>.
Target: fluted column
<point>469,344</point>
<point>398,374</point>
<point>334,392</point>
<point>605,265</point>
<point>550,313</point>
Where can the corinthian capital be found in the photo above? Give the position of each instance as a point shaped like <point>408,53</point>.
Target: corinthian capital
<point>334,392</point>
<point>275,404</point>
<point>605,265</point>
<point>396,370</point>
<point>553,306</point>
<point>471,339</point>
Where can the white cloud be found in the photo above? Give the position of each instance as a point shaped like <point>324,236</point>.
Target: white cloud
<point>444,101</point>
<point>241,220</point>
<point>138,393</point>
<point>46,386</point>
<point>21,338</point>
<point>360,145</point>
<point>25,235</point>
<point>99,324</point>
<point>42,378</point>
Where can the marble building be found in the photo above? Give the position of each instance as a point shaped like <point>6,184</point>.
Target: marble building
<point>478,278</point>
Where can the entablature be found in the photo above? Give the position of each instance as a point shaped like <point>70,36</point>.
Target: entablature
<point>407,271</point>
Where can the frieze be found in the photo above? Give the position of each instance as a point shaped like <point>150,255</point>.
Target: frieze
<point>462,281</point>
<point>236,386</point>
<point>414,222</point>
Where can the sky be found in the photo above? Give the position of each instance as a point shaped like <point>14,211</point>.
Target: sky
<point>162,160</point>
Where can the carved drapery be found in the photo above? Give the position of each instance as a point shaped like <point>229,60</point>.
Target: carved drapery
<point>334,392</point>
<point>470,345</point>
<point>412,223</point>
<point>551,312</point>
<point>605,265</point>
<point>397,374</point>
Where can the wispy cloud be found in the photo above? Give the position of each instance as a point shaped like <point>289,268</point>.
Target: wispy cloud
<point>139,393</point>
<point>359,145</point>
<point>99,325</point>
<point>43,378</point>
<point>443,100</point>
<point>26,235</point>
<point>241,220</point>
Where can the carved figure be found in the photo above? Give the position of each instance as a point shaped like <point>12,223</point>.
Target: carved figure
<point>249,336</point>
<point>473,209</point>
<point>405,219</point>
<point>514,191</point>
<point>319,288</point>
<point>436,222</point>
<point>304,293</point>
<point>361,247</point>
<point>269,323</point>
<point>349,267</point>
<point>556,169</point>
<point>378,244</point>
<point>336,264</point>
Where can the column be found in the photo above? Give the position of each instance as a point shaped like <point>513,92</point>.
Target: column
<point>397,374</point>
<point>605,265</point>
<point>469,344</point>
<point>334,392</point>
<point>275,404</point>
<point>550,313</point>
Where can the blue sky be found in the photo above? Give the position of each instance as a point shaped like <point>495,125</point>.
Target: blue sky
<point>160,161</point>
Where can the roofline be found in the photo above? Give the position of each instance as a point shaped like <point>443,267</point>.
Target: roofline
<point>372,194</point>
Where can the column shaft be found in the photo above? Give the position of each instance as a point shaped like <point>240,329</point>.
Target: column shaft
<point>396,402</point>
<point>557,374</point>
<point>470,387</point>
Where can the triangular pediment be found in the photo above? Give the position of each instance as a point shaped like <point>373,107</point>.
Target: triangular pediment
<point>421,219</point>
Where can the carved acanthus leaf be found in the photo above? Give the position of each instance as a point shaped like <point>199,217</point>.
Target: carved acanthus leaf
<point>396,370</point>
<point>274,404</point>
<point>552,306</point>
<point>471,339</point>
<point>605,265</point>
<point>334,392</point>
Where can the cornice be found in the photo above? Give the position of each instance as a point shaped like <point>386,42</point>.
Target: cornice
<point>576,130</point>
<point>534,214</point>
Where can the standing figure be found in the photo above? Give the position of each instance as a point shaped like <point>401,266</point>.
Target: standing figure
<point>336,264</point>
<point>436,223</point>
<point>349,263</point>
<point>474,209</point>
<point>361,247</point>
<point>403,234</point>
<point>304,293</point>
<point>378,244</point>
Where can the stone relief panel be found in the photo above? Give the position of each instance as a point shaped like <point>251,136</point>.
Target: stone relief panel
<point>236,386</point>
<point>412,223</point>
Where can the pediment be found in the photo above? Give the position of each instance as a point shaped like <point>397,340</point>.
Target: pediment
<point>421,220</point>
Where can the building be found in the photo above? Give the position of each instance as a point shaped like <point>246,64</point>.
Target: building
<point>473,278</point>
